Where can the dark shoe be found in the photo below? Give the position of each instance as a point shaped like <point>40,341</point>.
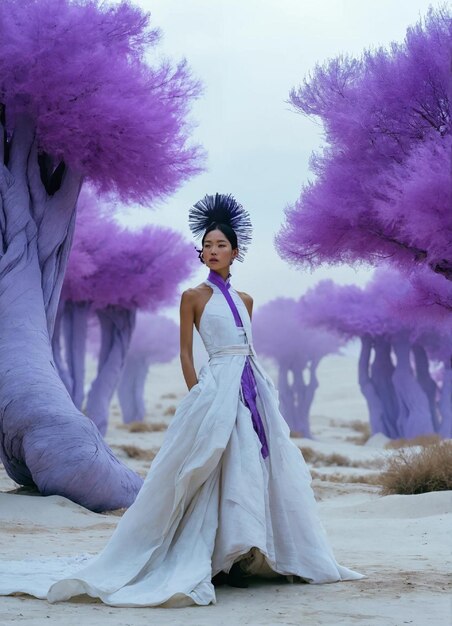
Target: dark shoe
<point>236,577</point>
<point>220,579</point>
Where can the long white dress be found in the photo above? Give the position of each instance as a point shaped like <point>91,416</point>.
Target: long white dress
<point>209,499</point>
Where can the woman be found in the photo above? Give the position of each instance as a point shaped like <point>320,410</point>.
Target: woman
<point>228,494</point>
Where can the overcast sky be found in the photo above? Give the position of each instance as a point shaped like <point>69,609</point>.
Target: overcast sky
<point>249,54</point>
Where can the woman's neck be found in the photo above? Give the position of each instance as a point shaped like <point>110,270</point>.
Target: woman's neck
<point>222,274</point>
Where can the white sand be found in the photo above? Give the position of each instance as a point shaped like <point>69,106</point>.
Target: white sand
<point>402,543</point>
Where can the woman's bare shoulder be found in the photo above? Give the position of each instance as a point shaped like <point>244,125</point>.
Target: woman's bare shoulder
<point>194,294</point>
<point>247,299</point>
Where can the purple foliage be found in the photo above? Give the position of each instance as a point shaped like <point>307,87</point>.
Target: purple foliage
<point>415,203</point>
<point>382,184</point>
<point>297,348</point>
<point>112,266</point>
<point>391,302</point>
<point>291,339</point>
<point>79,70</point>
<point>142,269</point>
<point>347,310</point>
<point>155,339</point>
<point>419,302</point>
<point>427,300</point>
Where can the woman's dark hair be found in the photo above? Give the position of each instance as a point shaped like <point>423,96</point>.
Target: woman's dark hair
<point>227,231</point>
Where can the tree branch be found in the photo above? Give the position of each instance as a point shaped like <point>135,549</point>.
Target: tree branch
<point>37,190</point>
<point>54,266</point>
<point>54,216</point>
<point>57,215</point>
<point>21,143</point>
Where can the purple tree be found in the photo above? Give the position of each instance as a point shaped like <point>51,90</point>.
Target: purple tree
<point>155,339</point>
<point>77,101</point>
<point>428,348</point>
<point>382,187</point>
<point>383,190</point>
<point>347,311</point>
<point>127,271</point>
<point>398,396</point>
<point>440,349</point>
<point>298,349</point>
<point>420,304</point>
<point>414,412</point>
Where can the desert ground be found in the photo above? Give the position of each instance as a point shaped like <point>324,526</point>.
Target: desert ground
<point>401,543</point>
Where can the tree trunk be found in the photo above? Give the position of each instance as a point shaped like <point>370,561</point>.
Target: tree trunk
<point>75,327</point>
<point>414,411</point>
<point>374,403</point>
<point>58,359</point>
<point>44,440</point>
<point>116,324</point>
<point>286,398</point>
<point>428,385</point>
<point>305,395</point>
<point>445,401</point>
<point>131,388</point>
<point>381,372</point>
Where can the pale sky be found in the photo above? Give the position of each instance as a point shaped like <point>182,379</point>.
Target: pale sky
<point>249,54</point>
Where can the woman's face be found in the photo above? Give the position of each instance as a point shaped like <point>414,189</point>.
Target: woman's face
<point>217,251</point>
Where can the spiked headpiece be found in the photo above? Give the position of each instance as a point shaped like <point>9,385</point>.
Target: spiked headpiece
<point>221,209</point>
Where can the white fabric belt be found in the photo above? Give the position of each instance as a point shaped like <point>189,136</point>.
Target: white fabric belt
<point>245,349</point>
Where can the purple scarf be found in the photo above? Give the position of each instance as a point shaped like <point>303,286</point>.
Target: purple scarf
<point>249,387</point>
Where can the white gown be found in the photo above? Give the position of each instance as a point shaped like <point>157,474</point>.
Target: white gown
<point>209,498</point>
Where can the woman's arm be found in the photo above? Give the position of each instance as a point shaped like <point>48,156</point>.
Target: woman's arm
<point>187,319</point>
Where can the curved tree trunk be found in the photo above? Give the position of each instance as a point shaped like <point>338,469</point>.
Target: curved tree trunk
<point>445,401</point>
<point>428,385</point>
<point>75,327</point>
<point>116,324</point>
<point>44,440</point>
<point>414,410</point>
<point>131,388</point>
<point>374,403</point>
<point>381,371</point>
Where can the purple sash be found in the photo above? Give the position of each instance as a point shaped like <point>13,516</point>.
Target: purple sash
<point>249,387</point>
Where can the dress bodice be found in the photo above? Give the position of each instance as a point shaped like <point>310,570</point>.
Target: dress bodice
<point>217,326</point>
